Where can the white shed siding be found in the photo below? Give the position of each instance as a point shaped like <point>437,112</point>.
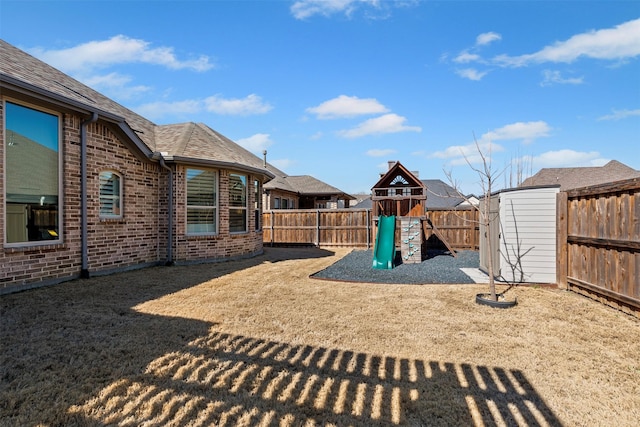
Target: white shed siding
<point>528,220</point>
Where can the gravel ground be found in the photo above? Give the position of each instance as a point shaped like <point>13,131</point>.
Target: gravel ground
<point>439,267</point>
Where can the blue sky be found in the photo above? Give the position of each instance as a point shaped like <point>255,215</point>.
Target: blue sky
<point>336,88</point>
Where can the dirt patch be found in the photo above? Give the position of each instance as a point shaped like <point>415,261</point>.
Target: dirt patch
<point>258,342</point>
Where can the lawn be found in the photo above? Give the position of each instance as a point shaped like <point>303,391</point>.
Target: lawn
<point>258,342</point>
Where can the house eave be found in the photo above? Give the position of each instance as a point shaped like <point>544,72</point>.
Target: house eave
<point>218,164</point>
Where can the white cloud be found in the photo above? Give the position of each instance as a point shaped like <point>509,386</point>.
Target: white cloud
<point>303,9</point>
<point>375,9</point>
<point>526,131</point>
<point>156,110</point>
<point>555,77</point>
<point>567,158</point>
<point>116,84</point>
<point>617,43</point>
<point>119,49</point>
<point>471,74</point>
<point>256,143</point>
<point>487,38</point>
<point>620,114</point>
<point>380,152</point>
<point>388,123</point>
<point>251,104</point>
<point>468,151</point>
<point>465,57</point>
<point>347,106</point>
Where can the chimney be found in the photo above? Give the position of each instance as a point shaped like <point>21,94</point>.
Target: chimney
<point>264,158</point>
<point>391,163</point>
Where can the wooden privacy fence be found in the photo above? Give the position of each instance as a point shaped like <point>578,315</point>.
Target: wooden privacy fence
<point>599,243</point>
<point>356,227</point>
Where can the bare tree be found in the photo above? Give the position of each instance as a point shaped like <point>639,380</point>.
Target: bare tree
<point>488,177</point>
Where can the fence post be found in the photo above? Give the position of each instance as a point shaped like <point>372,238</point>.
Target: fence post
<point>272,227</point>
<point>368,228</point>
<point>562,264</point>
<point>318,228</point>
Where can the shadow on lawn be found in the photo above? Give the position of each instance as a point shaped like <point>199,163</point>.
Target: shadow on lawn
<point>223,379</point>
<point>77,354</point>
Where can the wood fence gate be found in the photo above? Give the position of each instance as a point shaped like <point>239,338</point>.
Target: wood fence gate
<point>599,243</point>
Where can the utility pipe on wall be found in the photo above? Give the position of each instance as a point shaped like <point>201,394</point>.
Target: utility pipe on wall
<point>169,210</point>
<point>84,272</point>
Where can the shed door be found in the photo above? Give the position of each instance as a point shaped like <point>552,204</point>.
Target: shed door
<point>494,231</point>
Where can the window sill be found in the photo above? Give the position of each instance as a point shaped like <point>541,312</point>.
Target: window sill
<point>34,248</point>
<point>114,219</point>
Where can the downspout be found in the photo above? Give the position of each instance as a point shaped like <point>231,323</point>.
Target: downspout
<point>169,211</point>
<point>84,272</point>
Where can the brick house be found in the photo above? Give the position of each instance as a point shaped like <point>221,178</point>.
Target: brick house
<point>89,187</point>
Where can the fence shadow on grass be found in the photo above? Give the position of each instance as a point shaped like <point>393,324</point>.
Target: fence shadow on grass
<point>224,379</point>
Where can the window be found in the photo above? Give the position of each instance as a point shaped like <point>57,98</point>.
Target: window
<point>276,203</point>
<point>257,203</point>
<point>110,195</point>
<point>285,203</point>
<point>33,211</point>
<point>237,203</point>
<point>202,201</point>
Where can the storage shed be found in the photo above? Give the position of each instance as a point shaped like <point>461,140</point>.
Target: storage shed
<point>523,233</point>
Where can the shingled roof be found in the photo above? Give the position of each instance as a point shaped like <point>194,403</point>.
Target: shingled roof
<point>302,184</point>
<point>23,75</point>
<point>441,195</point>
<point>570,178</point>
<point>197,142</point>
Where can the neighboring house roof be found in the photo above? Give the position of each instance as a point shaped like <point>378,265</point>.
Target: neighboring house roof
<point>23,74</point>
<point>279,182</point>
<point>570,178</point>
<point>302,185</point>
<point>441,194</point>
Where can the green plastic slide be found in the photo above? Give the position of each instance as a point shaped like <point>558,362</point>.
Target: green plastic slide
<point>384,251</point>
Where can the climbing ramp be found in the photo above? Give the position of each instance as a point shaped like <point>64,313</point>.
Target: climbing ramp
<point>411,240</point>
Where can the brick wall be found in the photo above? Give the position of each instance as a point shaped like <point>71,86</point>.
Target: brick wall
<point>223,244</point>
<point>139,238</point>
<point>133,239</point>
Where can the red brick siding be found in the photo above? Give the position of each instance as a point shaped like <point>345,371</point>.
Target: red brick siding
<point>223,244</point>
<point>140,237</point>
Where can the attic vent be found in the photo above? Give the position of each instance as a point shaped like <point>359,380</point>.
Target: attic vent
<point>399,180</point>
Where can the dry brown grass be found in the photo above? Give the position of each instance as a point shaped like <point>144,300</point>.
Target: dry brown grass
<point>257,342</point>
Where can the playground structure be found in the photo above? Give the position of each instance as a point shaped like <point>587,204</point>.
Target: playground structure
<point>400,195</point>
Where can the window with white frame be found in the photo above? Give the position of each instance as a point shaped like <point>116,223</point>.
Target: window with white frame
<point>110,195</point>
<point>276,203</point>
<point>33,183</point>
<point>202,201</point>
<point>237,203</point>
